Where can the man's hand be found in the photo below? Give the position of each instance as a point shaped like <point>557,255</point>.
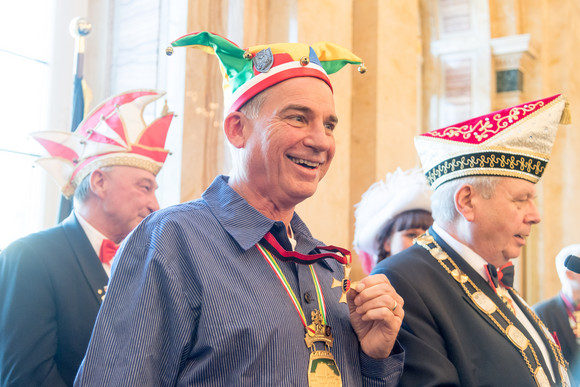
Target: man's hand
<point>376,314</point>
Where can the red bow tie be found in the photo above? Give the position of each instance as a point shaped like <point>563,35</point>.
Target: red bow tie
<point>504,275</point>
<point>108,250</point>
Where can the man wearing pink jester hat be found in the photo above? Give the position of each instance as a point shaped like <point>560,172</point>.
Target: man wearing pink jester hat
<point>52,283</point>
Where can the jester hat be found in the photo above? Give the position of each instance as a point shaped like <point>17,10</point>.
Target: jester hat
<point>248,72</point>
<point>114,133</point>
<point>513,142</point>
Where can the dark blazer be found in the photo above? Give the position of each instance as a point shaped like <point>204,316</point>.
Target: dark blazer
<point>51,285</point>
<point>553,313</point>
<point>448,340</point>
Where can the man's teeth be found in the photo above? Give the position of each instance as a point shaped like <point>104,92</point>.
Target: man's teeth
<point>304,162</point>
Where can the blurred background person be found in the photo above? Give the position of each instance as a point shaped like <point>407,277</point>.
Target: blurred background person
<point>390,215</point>
<point>52,282</point>
<point>561,313</point>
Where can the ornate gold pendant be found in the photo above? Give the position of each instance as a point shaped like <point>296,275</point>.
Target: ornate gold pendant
<point>322,368</point>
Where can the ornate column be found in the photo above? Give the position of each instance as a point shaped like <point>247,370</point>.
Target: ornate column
<point>514,63</point>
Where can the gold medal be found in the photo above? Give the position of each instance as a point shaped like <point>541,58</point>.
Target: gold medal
<point>322,368</point>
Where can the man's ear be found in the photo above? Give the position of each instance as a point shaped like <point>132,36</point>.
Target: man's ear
<point>97,182</point>
<point>465,200</point>
<point>235,129</point>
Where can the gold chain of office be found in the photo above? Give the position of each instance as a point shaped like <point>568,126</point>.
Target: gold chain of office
<point>487,305</point>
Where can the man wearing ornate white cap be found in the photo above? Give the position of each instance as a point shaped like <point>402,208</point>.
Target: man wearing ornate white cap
<point>52,283</point>
<point>464,323</point>
<point>561,313</point>
<point>232,289</point>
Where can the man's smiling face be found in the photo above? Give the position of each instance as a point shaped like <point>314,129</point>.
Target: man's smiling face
<point>291,144</point>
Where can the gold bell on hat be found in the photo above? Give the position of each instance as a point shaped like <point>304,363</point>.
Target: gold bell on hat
<point>169,51</point>
<point>362,68</point>
<point>304,61</point>
<point>248,55</point>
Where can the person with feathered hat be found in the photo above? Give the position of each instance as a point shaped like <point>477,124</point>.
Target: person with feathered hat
<point>52,282</point>
<point>391,215</point>
<point>465,324</point>
<point>232,289</point>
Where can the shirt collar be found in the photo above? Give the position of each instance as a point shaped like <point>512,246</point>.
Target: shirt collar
<point>246,224</point>
<point>471,257</point>
<point>95,237</point>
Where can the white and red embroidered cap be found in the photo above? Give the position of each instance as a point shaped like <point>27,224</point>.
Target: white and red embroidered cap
<point>400,191</point>
<point>513,142</point>
<point>114,133</point>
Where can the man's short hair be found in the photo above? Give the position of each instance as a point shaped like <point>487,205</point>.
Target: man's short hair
<point>251,109</point>
<point>83,190</point>
<point>443,198</point>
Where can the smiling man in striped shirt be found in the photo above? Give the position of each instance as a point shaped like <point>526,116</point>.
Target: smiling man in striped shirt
<point>232,289</point>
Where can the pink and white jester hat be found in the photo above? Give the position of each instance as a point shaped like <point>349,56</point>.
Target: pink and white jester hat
<point>114,133</point>
<point>247,72</point>
<point>513,142</point>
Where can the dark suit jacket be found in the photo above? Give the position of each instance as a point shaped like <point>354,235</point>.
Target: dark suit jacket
<point>448,340</point>
<point>553,313</point>
<point>51,285</point>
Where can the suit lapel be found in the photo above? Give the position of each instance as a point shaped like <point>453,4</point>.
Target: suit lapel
<point>483,285</point>
<point>479,281</point>
<point>92,269</point>
<point>542,335</point>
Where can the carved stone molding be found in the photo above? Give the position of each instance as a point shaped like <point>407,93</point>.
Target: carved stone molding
<point>514,59</point>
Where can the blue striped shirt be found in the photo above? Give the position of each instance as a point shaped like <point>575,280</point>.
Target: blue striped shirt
<point>192,302</point>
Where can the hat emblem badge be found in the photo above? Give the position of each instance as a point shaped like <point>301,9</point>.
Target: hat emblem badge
<point>263,60</point>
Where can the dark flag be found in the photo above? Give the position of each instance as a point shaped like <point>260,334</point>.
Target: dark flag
<point>78,111</point>
<point>79,28</point>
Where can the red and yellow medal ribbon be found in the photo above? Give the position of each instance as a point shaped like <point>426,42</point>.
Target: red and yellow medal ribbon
<point>278,271</point>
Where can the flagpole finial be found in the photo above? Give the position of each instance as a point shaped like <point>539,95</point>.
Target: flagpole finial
<point>80,27</point>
